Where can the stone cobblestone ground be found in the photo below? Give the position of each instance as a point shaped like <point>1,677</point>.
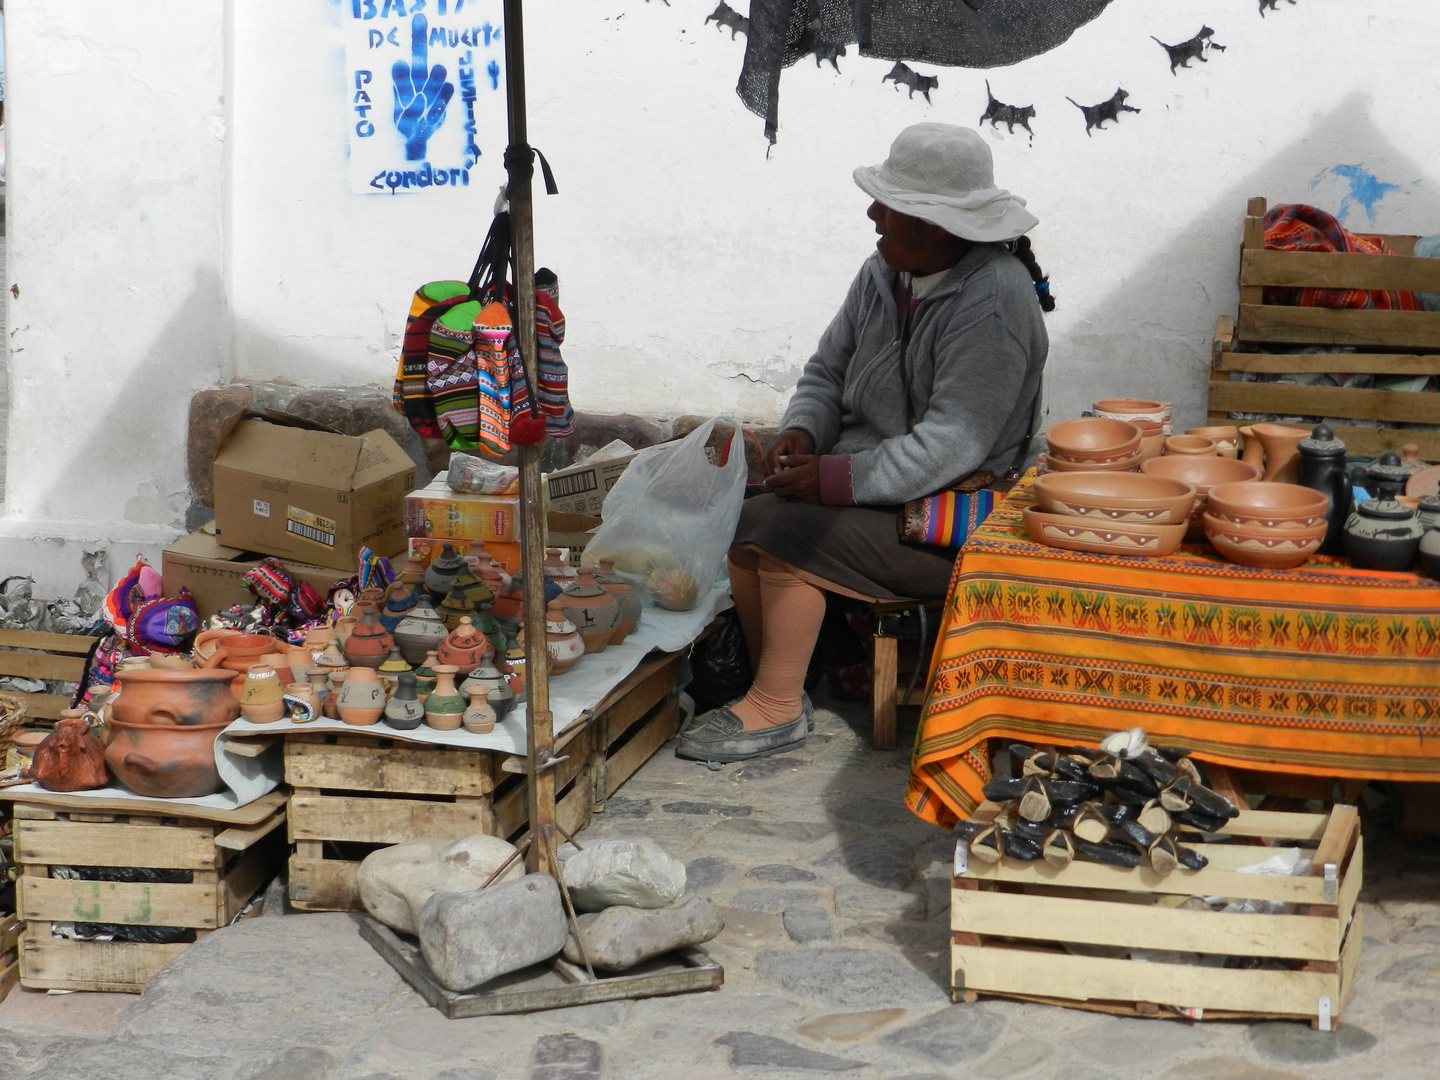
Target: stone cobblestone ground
<point>835,901</point>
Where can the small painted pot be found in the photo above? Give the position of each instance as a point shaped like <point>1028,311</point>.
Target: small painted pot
<point>369,644</point>
<point>465,647</point>
<point>405,711</point>
<point>595,613</point>
<point>445,707</point>
<point>562,643</point>
<point>262,695</point>
<point>361,700</point>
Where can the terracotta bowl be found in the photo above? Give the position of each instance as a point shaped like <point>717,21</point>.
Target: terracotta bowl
<point>1125,464</point>
<point>1284,506</point>
<point>1136,410</point>
<point>1102,538</point>
<point>1195,445</point>
<point>1251,545</point>
<point>1152,446</point>
<point>1092,438</point>
<point>1115,496</point>
<point>1227,439</point>
<point>1202,473</point>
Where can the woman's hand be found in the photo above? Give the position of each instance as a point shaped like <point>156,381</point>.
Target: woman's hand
<point>788,443</point>
<point>798,479</point>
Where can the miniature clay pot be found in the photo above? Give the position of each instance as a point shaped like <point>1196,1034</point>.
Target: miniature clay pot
<point>308,699</point>
<point>413,573</point>
<point>1281,445</point>
<point>344,627</point>
<point>594,611</point>
<point>418,633</point>
<point>425,676</point>
<point>391,670</point>
<point>562,643</point>
<point>464,648</point>
<point>70,758</point>
<point>440,573</point>
<point>1382,534</point>
<point>361,701</point>
<point>164,698</point>
<point>556,565</point>
<point>369,644</point>
<point>479,716</point>
<point>493,686</point>
<point>454,607</point>
<point>405,711</point>
<point>166,761</point>
<point>445,707</point>
<point>625,596</point>
<point>398,604</point>
<point>262,695</point>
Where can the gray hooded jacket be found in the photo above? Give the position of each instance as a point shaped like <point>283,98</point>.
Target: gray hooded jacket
<point>976,351</point>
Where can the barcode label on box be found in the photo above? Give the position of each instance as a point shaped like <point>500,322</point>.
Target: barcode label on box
<point>308,526</point>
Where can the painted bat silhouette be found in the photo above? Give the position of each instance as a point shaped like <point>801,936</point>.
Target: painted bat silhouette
<point>1269,4</point>
<point>1096,115</point>
<point>810,42</point>
<point>1194,49</point>
<point>724,16</point>
<point>997,112</point>
<point>903,75</point>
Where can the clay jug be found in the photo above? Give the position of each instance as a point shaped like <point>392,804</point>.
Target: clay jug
<point>594,611</point>
<point>362,699</point>
<point>1322,468</point>
<point>1382,534</point>
<point>464,648</point>
<point>442,571</point>
<point>405,711</point>
<point>630,604</point>
<point>70,758</point>
<point>166,761</point>
<point>317,637</point>
<point>400,603</point>
<point>425,676</point>
<point>369,644</point>
<point>1281,444</point>
<point>167,698</point>
<point>262,695</point>
<point>479,715</point>
<point>562,643</point>
<point>445,707</point>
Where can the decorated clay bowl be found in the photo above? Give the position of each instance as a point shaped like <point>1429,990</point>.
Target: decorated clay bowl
<point>1196,445</point>
<point>1116,497</point>
<point>1101,537</point>
<point>1227,439</point>
<point>1282,506</point>
<point>1202,473</point>
<point>1259,546</point>
<point>1125,464</point>
<point>1092,439</point>
<point>1135,410</point>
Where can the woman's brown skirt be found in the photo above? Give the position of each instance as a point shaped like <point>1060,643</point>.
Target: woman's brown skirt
<point>854,548</point>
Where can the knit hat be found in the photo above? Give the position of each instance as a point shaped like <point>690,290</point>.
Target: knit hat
<point>945,175</point>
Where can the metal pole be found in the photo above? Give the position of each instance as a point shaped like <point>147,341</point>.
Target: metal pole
<point>540,775</point>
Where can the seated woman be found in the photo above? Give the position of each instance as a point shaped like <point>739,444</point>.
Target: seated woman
<point>927,376</point>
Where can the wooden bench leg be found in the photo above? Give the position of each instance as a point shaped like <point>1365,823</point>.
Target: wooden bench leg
<point>882,694</point>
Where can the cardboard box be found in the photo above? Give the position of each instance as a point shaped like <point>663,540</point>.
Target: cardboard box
<point>507,555</point>
<point>439,513</point>
<point>311,495</point>
<point>213,572</point>
<point>581,489</point>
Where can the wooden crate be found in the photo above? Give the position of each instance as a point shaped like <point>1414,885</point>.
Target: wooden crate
<point>9,953</point>
<point>1386,342</point>
<point>356,793</point>
<point>228,864</point>
<point>1012,921</point>
<point>34,655</point>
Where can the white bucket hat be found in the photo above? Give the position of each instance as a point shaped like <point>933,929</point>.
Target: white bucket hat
<point>945,175</point>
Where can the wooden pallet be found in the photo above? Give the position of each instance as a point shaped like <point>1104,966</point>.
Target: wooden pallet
<point>356,793</point>
<point>1386,342</point>
<point>9,953</point>
<point>1013,920</point>
<point>228,864</point>
<point>35,655</point>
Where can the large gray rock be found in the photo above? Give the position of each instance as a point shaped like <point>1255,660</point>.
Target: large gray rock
<point>618,938</point>
<point>470,938</point>
<point>633,873</point>
<point>396,882</point>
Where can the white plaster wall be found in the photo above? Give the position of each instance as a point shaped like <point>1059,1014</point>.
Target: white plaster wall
<point>115,131</point>
<point>163,240</point>
<point>697,272</point>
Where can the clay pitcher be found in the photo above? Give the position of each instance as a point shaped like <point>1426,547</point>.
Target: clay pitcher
<point>170,698</point>
<point>70,758</point>
<point>1281,444</point>
<point>238,654</point>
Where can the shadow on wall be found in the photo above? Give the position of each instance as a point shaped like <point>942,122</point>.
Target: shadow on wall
<point>1201,263</point>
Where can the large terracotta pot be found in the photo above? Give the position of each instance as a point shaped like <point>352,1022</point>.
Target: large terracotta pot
<point>168,698</point>
<point>166,761</point>
<point>70,758</point>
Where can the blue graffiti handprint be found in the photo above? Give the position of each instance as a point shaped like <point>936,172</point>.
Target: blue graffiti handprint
<point>421,92</point>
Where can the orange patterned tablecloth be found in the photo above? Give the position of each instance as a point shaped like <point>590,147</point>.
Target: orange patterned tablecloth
<point>1321,670</point>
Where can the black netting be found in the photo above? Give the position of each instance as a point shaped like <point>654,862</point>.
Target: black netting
<point>956,33</point>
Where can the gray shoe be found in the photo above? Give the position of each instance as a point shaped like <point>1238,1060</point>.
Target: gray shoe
<point>807,710</point>
<point>720,735</point>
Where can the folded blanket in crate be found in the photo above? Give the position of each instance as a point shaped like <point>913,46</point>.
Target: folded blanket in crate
<point>1298,227</point>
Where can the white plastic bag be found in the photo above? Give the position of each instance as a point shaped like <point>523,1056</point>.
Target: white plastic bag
<point>671,516</point>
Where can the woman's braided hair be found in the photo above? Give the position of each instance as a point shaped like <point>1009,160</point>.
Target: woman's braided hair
<point>1021,249</point>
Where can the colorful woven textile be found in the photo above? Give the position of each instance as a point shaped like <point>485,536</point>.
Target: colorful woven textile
<point>1321,670</point>
<point>1297,227</point>
<point>411,395</point>
<point>946,519</point>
